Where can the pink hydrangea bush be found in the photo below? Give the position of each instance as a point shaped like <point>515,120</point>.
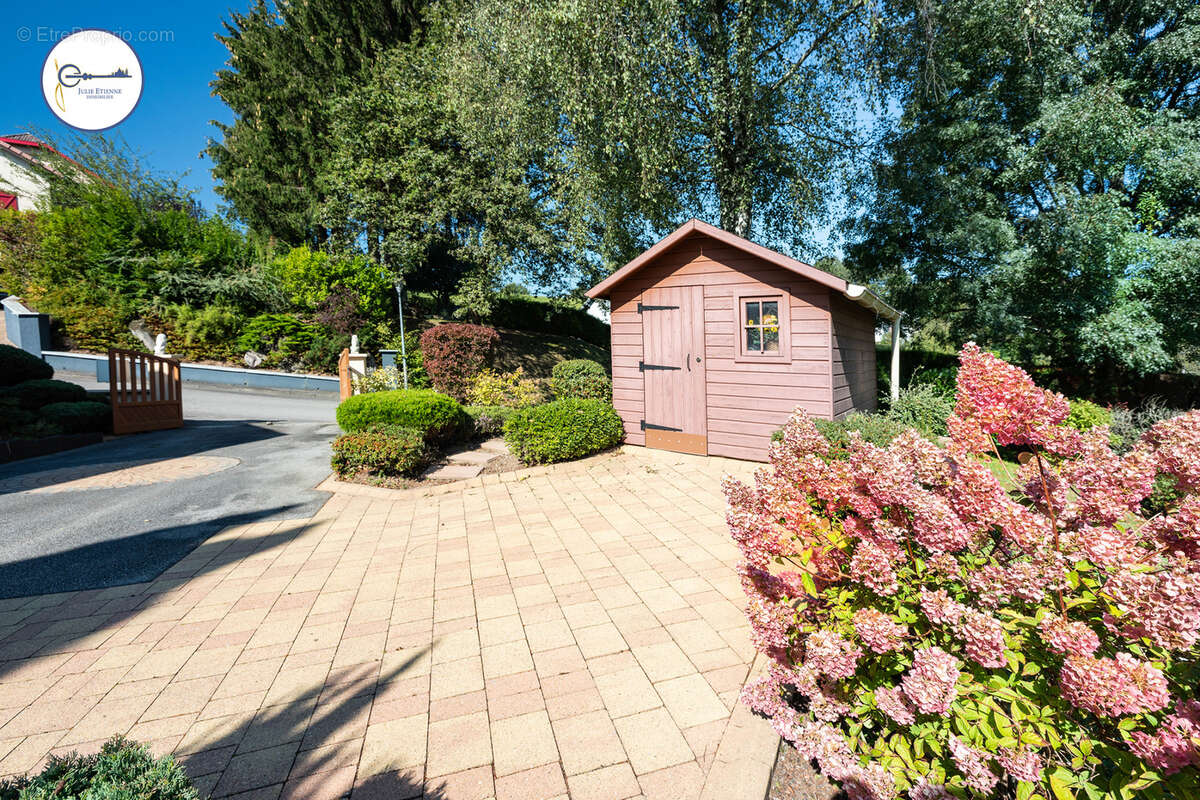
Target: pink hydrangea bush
<point>942,623</point>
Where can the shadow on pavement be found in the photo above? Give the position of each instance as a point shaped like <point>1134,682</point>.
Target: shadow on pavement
<point>56,628</point>
<point>312,740</point>
<point>139,448</point>
<point>115,562</point>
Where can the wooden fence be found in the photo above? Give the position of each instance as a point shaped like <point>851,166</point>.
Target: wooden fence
<point>145,391</point>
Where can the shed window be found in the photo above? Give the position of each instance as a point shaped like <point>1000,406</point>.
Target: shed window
<point>760,326</point>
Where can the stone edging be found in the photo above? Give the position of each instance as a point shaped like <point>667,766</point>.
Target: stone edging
<point>746,754</point>
<point>332,484</point>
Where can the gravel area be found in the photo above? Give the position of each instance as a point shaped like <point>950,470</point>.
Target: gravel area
<point>794,778</point>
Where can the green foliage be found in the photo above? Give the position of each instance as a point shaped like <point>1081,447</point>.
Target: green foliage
<point>19,423</point>
<point>1163,498</point>
<point>307,277</point>
<point>562,430</point>
<point>489,420</point>
<point>1034,196</point>
<point>283,332</point>
<point>386,450</point>
<point>84,416</point>
<point>209,325</point>
<point>918,365</point>
<point>581,378</point>
<point>925,407</point>
<point>511,389</point>
<point>877,429</point>
<point>634,114</point>
<point>122,770</point>
<point>1086,415</point>
<point>438,417</point>
<point>381,379</point>
<point>547,315</point>
<point>32,395</point>
<point>286,65</point>
<point>17,366</point>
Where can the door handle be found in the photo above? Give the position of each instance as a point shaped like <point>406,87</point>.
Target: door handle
<point>688,361</point>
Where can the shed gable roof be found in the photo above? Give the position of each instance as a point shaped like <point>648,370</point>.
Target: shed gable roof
<point>859,294</point>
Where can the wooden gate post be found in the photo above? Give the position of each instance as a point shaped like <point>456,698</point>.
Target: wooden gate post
<point>345,387</point>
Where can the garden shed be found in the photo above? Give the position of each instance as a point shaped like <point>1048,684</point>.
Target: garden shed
<point>715,340</point>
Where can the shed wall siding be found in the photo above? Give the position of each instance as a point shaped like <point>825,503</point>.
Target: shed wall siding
<point>853,358</point>
<point>746,401</point>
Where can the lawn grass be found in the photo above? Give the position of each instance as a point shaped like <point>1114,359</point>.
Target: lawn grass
<point>537,353</point>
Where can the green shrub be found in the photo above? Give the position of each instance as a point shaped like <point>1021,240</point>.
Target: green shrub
<point>1164,497</point>
<point>387,450</point>
<point>381,379</point>
<point>438,417</point>
<point>511,389</point>
<point>17,422</point>
<point>874,428</point>
<point>562,430</point>
<point>1086,415</point>
<point>489,420</point>
<point>122,770</point>
<point>78,417</point>
<point>283,332</point>
<point>924,407</point>
<point>34,394</point>
<point>581,378</point>
<point>17,366</point>
<point>210,326</point>
<point>1128,424</point>
<point>547,315</point>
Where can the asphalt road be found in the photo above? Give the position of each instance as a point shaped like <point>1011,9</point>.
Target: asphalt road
<point>54,540</point>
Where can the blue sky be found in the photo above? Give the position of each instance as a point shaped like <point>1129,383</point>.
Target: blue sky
<point>174,41</point>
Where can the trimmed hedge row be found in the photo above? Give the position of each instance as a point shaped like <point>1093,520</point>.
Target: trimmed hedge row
<point>17,366</point>
<point>39,392</point>
<point>439,418</point>
<point>562,430</point>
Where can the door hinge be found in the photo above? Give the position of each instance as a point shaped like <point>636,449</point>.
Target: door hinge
<point>642,308</point>
<point>650,426</point>
<point>643,366</point>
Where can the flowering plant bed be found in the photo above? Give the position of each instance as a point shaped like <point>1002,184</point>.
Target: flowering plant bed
<point>936,635</point>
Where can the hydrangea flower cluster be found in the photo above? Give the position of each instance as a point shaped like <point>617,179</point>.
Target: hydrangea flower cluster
<point>944,625</point>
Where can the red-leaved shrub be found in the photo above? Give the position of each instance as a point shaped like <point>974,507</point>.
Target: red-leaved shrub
<point>455,353</point>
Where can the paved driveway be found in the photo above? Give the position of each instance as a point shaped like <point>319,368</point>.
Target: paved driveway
<point>125,510</point>
<point>571,631</point>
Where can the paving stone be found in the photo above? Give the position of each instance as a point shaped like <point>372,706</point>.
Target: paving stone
<point>453,472</point>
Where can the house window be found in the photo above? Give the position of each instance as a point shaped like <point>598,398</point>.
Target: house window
<point>760,326</point>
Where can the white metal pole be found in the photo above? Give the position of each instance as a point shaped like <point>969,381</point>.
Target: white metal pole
<point>403,345</point>
<point>896,359</point>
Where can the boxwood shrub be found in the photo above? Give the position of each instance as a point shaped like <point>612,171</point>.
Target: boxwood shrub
<point>39,392</point>
<point>438,417</point>
<point>582,378</point>
<point>489,420</point>
<point>77,417</point>
<point>17,366</point>
<point>387,450</point>
<point>562,430</point>
<point>122,769</point>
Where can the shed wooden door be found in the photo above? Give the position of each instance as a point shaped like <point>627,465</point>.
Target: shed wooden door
<point>673,369</point>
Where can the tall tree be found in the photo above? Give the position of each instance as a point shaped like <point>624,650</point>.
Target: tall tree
<point>437,214</point>
<point>288,63</point>
<point>1039,191</point>
<point>632,114</point>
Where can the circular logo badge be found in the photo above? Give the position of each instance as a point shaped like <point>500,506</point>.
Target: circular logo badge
<point>92,80</point>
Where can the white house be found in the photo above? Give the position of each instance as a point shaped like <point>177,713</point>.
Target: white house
<point>25,164</point>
